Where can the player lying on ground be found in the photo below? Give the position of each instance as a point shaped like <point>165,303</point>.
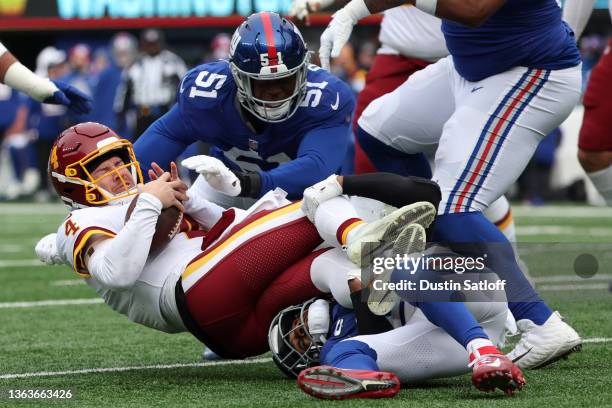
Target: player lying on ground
<point>415,346</point>
<point>224,285</point>
<point>424,341</point>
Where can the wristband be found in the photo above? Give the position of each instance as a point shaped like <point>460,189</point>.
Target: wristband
<point>22,79</point>
<point>357,10</point>
<point>250,184</point>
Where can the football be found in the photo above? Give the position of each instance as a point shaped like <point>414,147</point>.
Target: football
<point>168,225</point>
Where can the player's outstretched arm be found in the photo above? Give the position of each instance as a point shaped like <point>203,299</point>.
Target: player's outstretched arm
<point>19,77</point>
<point>320,154</point>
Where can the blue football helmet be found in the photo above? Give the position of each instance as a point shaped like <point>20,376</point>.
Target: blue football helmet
<point>267,47</point>
<point>297,334</point>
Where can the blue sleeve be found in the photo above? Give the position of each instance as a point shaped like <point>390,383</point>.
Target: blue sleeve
<point>353,355</point>
<point>320,154</point>
<point>163,141</point>
<point>344,326</point>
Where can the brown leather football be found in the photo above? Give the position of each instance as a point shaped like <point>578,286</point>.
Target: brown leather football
<point>168,225</point>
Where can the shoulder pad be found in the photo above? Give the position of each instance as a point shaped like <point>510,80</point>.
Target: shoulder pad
<point>206,84</point>
<point>81,225</point>
<point>327,96</point>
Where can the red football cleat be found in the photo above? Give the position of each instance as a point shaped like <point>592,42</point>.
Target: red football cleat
<point>491,371</point>
<point>333,383</point>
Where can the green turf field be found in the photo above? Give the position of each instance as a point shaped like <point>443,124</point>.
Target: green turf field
<point>63,345</point>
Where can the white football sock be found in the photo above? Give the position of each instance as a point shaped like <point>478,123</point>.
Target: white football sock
<point>330,216</point>
<point>602,180</point>
<point>473,346</point>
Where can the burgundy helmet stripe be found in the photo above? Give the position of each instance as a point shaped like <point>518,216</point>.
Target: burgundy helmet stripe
<point>269,32</point>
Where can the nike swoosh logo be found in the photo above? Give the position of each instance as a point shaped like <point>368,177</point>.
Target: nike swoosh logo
<point>335,105</point>
<point>517,358</point>
<point>477,88</point>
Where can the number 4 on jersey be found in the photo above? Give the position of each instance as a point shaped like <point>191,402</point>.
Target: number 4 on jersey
<point>70,227</point>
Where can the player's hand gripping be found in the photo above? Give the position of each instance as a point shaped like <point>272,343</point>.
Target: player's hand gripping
<point>318,193</point>
<point>167,187</point>
<point>46,250</point>
<point>215,173</point>
<point>339,30</point>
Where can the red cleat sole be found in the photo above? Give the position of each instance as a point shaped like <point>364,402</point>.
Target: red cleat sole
<point>332,383</point>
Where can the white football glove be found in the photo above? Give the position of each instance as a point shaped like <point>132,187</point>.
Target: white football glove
<point>301,9</point>
<point>339,30</point>
<point>46,250</point>
<point>320,192</point>
<point>215,173</point>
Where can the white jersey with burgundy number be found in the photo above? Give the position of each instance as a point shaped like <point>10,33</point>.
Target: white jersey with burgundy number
<point>411,32</point>
<point>150,301</point>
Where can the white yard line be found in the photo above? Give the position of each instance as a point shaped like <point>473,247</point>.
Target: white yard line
<point>68,282</point>
<point>13,248</point>
<point>12,263</point>
<point>561,230</point>
<point>597,340</point>
<point>561,211</point>
<point>594,286</point>
<point>60,302</point>
<point>32,208</point>
<point>570,278</point>
<point>592,340</point>
<point>133,368</point>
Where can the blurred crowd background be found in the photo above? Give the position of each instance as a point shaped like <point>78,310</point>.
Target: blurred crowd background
<point>133,76</point>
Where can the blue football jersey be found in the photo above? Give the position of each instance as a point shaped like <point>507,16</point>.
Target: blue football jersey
<point>49,120</point>
<point>527,33</point>
<point>344,326</point>
<point>10,101</point>
<point>293,154</point>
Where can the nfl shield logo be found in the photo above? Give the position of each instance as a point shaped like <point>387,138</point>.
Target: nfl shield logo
<point>253,145</point>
